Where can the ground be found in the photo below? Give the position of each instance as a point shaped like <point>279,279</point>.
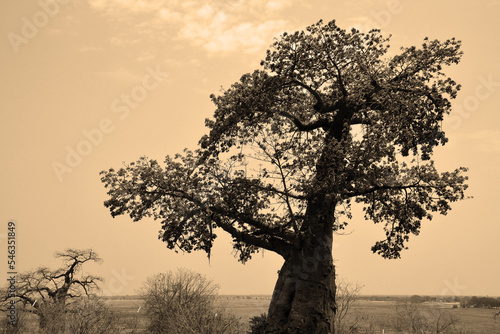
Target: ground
<point>378,312</point>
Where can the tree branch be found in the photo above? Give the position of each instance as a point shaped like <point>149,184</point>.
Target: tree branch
<point>339,77</point>
<point>377,188</point>
<point>321,123</point>
<point>287,199</point>
<point>319,100</point>
<point>276,232</point>
<point>275,245</point>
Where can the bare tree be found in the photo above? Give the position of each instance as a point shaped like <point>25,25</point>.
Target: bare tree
<point>43,290</point>
<point>346,297</point>
<point>184,302</point>
<point>413,318</point>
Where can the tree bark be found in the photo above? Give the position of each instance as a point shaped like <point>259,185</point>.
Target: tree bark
<point>303,301</point>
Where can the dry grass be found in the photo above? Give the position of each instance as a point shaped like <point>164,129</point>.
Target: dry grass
<point>476,321</point>
<point>379,313</point>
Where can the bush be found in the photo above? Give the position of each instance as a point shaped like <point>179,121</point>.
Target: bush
<point>409,318</point>
<point>86,315</point>
<point>52,318</point>
<point>22,325</point>
<point>184,302</point>
<point>258,324</point>
<point>413,318</point>
<point>346,297</point>
<point>92,316</point>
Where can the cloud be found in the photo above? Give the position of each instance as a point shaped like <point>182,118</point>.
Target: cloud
<point>276,5</point>
<point>122,41</point>
<point>207,11</point>
<point>363,23</point>
<point>246,37</point>
<point>87,48</point>
<point>146,56</point>
<point>133,6</point>
<point>218,26</point>
<point>120,74</point>
<point>168,15</point>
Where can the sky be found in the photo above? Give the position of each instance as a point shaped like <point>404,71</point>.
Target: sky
<point>91,84</point>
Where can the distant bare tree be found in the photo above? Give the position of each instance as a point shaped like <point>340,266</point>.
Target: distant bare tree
<point>44,290</point>
<point>413,318</point>
<point>347,295</point>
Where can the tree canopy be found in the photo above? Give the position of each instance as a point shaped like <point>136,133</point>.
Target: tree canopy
<point>332,118</point>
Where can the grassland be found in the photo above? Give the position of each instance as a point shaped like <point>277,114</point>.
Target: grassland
<point>470,320</point>
<point>378,313</point>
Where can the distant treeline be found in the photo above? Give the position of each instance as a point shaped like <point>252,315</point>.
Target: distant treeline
<point>413,299</point>
<point>464,301</point>
<point>136,297</point>
<point>124,297</point>
<point>480,302</point>
<point>244,297</point>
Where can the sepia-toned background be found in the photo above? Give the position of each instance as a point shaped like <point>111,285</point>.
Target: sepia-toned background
<point>89,84</point>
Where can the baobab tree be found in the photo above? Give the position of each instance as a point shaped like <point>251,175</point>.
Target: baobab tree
<point>43,287</point>
<point>329,120</point>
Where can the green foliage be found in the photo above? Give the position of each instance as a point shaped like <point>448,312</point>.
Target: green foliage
<point>328,120</point>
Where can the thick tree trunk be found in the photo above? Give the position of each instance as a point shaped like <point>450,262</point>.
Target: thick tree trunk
<point>303,301</point>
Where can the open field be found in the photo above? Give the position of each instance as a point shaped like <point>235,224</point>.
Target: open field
<point>246,307</point>
<point>379,313</point>
<point>243,307</point>
<point>471,320</point>
<point>130,309</point>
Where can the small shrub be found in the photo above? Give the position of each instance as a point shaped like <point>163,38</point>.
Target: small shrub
<point>347,319</point>
<point>86,315</point>
<point>412,318</point>
<point>52,318</point>
<point>183,302</point>
<point>258,324</point>
<point>92,316</point>
<point>23,323</point>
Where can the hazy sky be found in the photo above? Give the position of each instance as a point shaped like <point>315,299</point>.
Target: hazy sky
<point>89,84</point>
